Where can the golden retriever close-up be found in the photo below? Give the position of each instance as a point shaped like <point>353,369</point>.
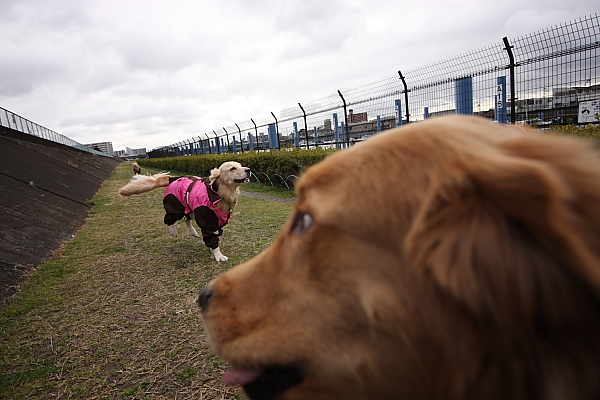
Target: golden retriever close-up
<point>209,201</point>
<point>452,258</point>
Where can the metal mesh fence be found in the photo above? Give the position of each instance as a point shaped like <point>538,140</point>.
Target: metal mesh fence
<point>14,121</point>
<point>547,77</point>
<point>539,79</point>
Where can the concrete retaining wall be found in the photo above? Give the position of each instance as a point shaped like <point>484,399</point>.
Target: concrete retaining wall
<point>44,187</point>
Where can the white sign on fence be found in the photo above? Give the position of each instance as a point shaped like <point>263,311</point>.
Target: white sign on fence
<point>588,111</point>
<point>499,97</point>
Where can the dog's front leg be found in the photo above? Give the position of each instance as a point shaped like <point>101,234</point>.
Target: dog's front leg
<point>173,230</point>
<point>188,224</point>
<point>218,256</point>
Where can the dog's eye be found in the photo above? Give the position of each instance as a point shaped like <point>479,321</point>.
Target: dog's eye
<point>302,222</point>
<point>232,169</point>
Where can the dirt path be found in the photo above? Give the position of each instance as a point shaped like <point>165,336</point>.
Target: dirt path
<point>262,196</point>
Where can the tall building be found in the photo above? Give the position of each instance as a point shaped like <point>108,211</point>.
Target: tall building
<point>105,147</point>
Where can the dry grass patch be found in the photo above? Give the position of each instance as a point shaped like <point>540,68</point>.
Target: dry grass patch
<point>113,314</point>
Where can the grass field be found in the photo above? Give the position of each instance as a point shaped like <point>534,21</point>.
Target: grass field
<point>113,316</point>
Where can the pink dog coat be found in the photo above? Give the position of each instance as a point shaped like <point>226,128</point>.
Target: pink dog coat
<point>198,196</point>
<point>201,200</point>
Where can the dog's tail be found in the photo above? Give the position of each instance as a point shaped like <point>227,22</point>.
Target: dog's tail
<point>145,183</point>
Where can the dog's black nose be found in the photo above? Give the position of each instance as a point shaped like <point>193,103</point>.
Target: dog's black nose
<point>204,298</point>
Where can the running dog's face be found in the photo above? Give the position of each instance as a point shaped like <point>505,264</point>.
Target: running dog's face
<point>230,173</point>
<point>450,259</point>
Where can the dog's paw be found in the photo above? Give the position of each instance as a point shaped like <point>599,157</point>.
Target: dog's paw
<point>218,256</point>
<point>191,229</point>
<point>173,230</point>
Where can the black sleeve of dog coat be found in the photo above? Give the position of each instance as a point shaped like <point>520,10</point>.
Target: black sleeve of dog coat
<point>208,222</point>
<point>174,210</point>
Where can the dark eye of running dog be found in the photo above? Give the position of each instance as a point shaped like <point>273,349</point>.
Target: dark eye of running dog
<point>232,169</point>
<point>302,222</point>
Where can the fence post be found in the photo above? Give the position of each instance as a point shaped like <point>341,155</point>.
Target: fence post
<point>276,130</point>
<point>226,133</point>
<point>256,131</point>
<point>218,147</point>
<point>208,143</point>
<point>346,120</point>
<point>398,104</point>
<point>336,131</point>
<point>405,96</point>
<point>296,139</point>
<point>241,141</point>
<point>305,126</point>
<point>511,67</point>
<point>199,147</point>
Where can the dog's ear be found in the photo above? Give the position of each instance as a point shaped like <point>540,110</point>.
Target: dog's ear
<point>215,173</point>
<point>503,232</point>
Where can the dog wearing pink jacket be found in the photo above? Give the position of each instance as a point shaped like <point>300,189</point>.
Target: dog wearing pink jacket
<point>209,201</point>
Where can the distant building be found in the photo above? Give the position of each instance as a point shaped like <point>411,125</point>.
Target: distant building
<point>357,130</point>
<point>588,93</point>
<point>131,153</point>
<point>134,152</point>
<point>533,104</point>
<point>105,147</point>
<point>560,107</point>
<point>353,118</point>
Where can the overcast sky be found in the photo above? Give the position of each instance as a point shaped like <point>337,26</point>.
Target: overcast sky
<point>152,73</point>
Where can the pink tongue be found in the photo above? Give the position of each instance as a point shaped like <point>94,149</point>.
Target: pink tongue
<point>240,377</point>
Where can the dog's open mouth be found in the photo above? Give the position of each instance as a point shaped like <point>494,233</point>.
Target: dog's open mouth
<point>243,180</point>
<point>264,384</point>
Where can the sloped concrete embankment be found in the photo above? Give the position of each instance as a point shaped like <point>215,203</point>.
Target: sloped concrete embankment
<point>44,187</point>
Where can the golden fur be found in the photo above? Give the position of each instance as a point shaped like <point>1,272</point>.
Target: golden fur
<point>448,259</point>
<point>144,183</point>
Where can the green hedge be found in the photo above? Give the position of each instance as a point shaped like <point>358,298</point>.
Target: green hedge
<point>589,131</point>
<point>283,163</point>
